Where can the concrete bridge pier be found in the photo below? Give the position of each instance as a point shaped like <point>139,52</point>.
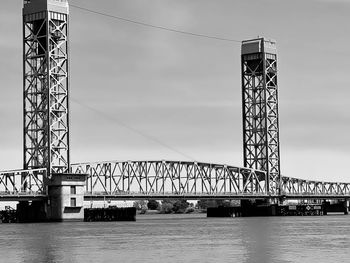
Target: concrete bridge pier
<point>65,201</point>
<point>66,197</point>
<point>31,212</point>
<point>346,206</point>
<point>324,207</point>
<point>336,207</point>
<point>248,208</point>
<point>258,208</point>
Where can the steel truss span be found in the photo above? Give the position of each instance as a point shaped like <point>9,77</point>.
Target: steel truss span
<point>171,179</point>
<point>22,184</point>
<point>168,179</point>
<point>175,179</point>
<point>304,188</point>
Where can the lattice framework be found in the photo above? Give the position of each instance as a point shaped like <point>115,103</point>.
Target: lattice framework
<point>260,116</point>
<point>23,182</point>
<point>173,178</point>
<point>46,127</point>
<point>295,186</point>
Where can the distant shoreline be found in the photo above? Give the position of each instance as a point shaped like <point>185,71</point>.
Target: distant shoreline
<point>158,212</point>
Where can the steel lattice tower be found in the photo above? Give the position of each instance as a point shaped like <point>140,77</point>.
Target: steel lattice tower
<point>46,82</point>
<point>260,109</point>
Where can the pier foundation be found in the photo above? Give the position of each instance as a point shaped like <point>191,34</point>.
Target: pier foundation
<point>110,214</point>
<point>346,206</point>
<point>66,197</point>
<point>221,211</point>
<point>258,208</point>
<point>253,208</point>
<point>337,207</point>
<point>31,212</point>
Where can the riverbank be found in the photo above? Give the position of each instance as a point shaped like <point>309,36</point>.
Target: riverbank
<point>159,212</point>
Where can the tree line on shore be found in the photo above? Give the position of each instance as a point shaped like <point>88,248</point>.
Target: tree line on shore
<point>165,206</point>
<point>179,206</point>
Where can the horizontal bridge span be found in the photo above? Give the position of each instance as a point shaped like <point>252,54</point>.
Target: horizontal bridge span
<point>22,184</point>
<point>22,196</point>
<point>169,179</point>
<point>147,178</point>
<point>137,179</point>
<point>298,187</point>
<point>136,196</point>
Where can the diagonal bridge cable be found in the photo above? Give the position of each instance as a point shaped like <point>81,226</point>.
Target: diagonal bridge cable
<point>120,123</point>
<point>154,26</point>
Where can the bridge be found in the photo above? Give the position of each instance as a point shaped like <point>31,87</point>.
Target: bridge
<point>46,135</point>
<point>127,180</point>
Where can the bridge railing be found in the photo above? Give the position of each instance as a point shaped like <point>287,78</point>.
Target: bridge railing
<point>174,177</point>
<point>22,182</point>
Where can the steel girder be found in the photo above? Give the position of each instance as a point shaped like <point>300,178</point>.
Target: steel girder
<point>260,115</point>
<point>170,178</point>
<point>23,182</point>
<point>45,81</point>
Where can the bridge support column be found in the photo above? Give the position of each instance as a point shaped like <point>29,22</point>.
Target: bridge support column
<point>259,208</point>
<point>325,206</point>
<point>346,206</point>
<point>31,212</point>
<point>66,197</point>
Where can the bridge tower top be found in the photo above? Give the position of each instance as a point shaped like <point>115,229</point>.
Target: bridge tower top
<point>259,45</point>
<point>260,109</point>
<point>34,6</point>
<point>46,85</point>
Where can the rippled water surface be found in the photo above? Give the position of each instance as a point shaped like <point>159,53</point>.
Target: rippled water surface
<point>181,238</point>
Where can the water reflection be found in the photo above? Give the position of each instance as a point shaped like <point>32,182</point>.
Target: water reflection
<point>39,243</point>
<point>180,238</point>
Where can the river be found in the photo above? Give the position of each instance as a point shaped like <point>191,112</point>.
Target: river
<point>181,238</point>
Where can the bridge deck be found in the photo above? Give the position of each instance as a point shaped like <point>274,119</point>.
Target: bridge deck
<point>97,197</point>
<point>22,197</point>
<point>16,197</point>
<point>131,180</point>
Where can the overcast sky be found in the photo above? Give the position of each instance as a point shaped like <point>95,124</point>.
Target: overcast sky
<point>141,93</point>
